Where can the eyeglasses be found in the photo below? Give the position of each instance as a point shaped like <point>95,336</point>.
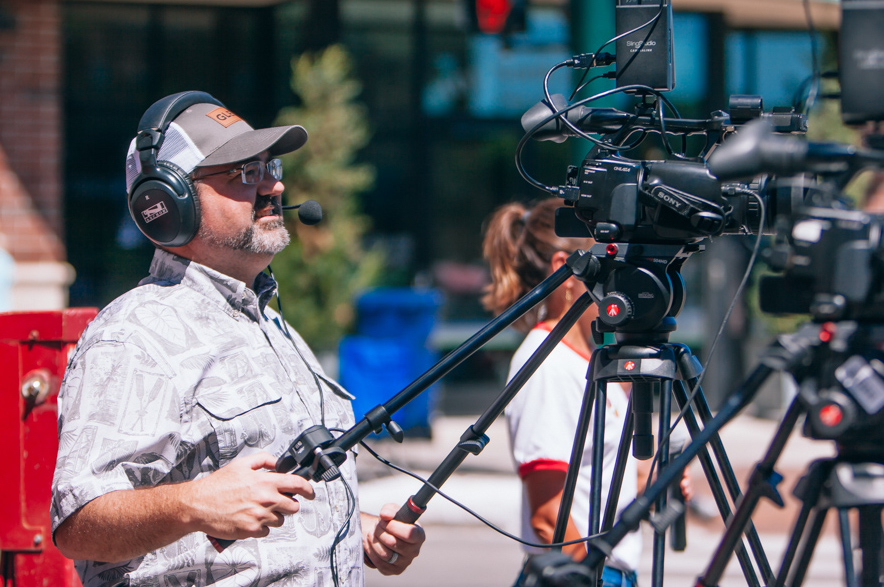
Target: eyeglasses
<point>253,171</point>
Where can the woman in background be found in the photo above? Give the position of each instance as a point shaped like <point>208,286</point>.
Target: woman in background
<point>522,249</point>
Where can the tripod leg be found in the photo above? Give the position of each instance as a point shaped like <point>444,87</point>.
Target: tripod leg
<point>619,469</point>
<point>660,503</point>
<point>846,548</point>
<point>733,486</point>
<point>762,482</point>
<point>574,464</point>
<point>808,544</point>
<point>808,490</point>
<point>598,457</point>
<point>870,542</point>
<point>690,369</point>
<point>715,486</point>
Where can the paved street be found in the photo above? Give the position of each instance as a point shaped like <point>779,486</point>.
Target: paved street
<point>472,556</point>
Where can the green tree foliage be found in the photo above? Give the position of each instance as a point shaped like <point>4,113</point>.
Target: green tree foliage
<point>326,265</point>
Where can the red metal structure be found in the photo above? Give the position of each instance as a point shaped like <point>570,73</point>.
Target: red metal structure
<point>34,348</point>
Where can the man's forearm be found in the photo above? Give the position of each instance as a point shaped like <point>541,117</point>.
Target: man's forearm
<point>122,525</point>
<point>243,499</point>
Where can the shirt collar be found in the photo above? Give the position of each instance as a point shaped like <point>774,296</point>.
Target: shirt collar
<point>167,268</point>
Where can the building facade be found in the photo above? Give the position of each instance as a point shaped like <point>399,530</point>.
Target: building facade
<point>444,103</point>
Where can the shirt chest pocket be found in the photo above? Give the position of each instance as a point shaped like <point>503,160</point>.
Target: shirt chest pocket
<point>240,418</point>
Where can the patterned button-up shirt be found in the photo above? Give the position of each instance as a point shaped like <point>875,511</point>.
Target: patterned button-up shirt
<point>173,380</point>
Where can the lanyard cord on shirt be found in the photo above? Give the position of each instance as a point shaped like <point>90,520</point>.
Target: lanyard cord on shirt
<point>288,335</point>
<point>343,530</point>
<point>351,498</point>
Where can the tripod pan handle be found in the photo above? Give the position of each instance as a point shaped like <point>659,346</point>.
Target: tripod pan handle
<point>678,529</point>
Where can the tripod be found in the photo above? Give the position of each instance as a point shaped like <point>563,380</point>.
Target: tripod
<point>854,479</point>
<point>654,367</point>
<point>640,291</point>
<point>816,355</point>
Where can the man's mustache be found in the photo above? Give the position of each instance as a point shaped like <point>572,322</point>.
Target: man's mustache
<point>262,201</point>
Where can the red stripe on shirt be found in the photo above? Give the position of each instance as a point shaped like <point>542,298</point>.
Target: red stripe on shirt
<point>542,465</point>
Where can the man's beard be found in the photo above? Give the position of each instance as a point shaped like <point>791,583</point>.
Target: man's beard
<point>267,238</point>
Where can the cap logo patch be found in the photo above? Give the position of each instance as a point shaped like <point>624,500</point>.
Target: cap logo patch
<point>223,116</point>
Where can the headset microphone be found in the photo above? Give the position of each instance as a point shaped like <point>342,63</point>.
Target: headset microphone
<point>310,212</point>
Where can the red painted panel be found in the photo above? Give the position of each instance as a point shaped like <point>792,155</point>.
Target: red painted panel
<point>34,347</point>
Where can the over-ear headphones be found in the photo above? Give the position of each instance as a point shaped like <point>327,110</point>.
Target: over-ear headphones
<point>162,200</point>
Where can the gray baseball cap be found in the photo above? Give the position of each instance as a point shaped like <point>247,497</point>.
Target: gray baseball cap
<point>205,135</point>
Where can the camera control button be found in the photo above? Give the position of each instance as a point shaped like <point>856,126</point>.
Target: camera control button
<point>607,231</point>
<point>615,309</point>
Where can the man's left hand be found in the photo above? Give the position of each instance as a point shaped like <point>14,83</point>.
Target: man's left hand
<point>389,545</point>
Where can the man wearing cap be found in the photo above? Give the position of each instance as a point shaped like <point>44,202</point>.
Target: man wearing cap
<point>183,392</point>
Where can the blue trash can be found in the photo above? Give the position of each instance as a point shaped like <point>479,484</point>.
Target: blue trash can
<point>390,351</point>
<point>397,312</point>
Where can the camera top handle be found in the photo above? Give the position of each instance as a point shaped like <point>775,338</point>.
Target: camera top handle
<point>546,120</point>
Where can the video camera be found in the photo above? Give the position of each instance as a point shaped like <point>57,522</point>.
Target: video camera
<point>613,198</point>
<point>830,265</point>
<point>657,212</point>
<point>830,259</point>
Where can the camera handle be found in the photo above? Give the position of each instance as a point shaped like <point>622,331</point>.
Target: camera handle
<point>579,263</point>
<point>474,439</point>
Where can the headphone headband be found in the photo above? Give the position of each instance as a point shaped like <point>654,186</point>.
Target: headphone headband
<point>162,200</point>
<point>156,120</point>
<point>164,111</point>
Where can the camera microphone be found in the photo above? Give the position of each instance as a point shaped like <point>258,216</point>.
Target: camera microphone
<point>757,149</point>
<point>309,212</point>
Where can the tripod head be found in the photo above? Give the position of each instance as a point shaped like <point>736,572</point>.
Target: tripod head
<point>639,290</point>
<point>842,389</point>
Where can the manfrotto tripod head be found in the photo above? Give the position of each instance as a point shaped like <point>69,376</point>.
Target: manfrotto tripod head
<point>638,289</point>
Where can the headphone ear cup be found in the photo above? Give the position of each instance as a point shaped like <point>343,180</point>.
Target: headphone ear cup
<point>165,206</point>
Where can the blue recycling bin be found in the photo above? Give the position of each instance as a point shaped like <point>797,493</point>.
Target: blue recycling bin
<point>398,312</point>
<point>389,351</point>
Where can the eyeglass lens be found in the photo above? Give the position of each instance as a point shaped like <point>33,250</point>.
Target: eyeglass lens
<point>253,171</point>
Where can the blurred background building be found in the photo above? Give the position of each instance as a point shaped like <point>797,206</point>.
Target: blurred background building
<point>443,96</point>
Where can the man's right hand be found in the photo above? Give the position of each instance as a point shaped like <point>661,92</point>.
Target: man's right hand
<point>245,498</point>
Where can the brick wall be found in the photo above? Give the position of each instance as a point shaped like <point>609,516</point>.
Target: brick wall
<point>30,130</point>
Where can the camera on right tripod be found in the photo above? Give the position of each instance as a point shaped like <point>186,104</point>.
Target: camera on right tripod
<point>828,261</point>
